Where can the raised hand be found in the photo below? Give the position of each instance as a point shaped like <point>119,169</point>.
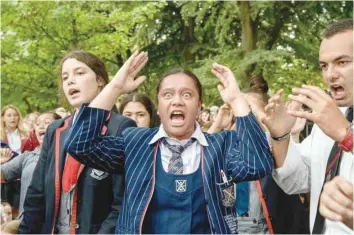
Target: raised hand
<point>5,155</point>
<point>277,119</point>
<point>229,90</point>
<point>124,80</point>
<point>325,112</point>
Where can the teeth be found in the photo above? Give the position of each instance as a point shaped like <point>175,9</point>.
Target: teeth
<point>177,112</point>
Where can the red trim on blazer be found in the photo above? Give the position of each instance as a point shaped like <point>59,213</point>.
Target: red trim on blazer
<point>264,207</point>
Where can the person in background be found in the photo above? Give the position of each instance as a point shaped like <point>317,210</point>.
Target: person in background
<point>6,212</point>
<point>261,205</point>
<point>61,111</point>
<point>24,165</point>
<point>31,142</point>
<point>140,108</point>
<point>12,131</point>
<point>213,112</point>
<point>65,196</point>
<point>328,151</point>
<point>14,136</point>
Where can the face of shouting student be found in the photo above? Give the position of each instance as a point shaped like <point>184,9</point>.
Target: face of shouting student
<point>179,103</point>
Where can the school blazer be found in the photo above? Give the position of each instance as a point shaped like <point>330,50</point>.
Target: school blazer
<point>243,154</point>
<point>99,196</point>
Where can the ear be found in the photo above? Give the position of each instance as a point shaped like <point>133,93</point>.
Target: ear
<point>100,82</point>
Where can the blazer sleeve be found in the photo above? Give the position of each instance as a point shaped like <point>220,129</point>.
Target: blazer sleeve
<point>86,144</point>
<point>109,224</point>
<point>248,155</point>
<point>34,204</point>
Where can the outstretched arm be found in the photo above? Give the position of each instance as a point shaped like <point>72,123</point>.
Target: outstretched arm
<point>247,151</point>
<point>123,82</point>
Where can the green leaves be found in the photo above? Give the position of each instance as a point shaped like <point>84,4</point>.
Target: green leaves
<point>36,35</point>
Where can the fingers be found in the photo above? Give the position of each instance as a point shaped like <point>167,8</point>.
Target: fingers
<point>301,99</point>
<point>139,80</point>
<point>321,93</point>
<point>312,94</point>
<point>220,88</point>
<point>302,114</point>
<point>221,77</point>
<point>336,199</point>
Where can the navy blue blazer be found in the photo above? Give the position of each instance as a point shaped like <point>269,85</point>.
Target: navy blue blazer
<point>99,198</point>
<point>243,154</point>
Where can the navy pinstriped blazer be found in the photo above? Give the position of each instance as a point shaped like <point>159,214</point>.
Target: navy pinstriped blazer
<point>244,154</point>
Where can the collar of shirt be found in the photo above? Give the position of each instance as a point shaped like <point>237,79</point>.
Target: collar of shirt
<point>197,134</point>
<point>15,132</point>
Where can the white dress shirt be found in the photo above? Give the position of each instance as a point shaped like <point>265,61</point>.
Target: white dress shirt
<point>14,140</point>
<point>304,171</point>
<point>190,156</point>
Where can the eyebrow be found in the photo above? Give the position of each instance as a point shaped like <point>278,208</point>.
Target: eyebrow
<point>75,69</point>
<point>337,58</point>
<point>172,89</point>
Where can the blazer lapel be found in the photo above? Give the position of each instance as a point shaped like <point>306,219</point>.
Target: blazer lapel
<point>64,131</point>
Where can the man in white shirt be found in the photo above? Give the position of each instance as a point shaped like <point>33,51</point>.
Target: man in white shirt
<point>303,167</point>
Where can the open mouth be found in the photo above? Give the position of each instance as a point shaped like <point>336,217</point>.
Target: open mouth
<point>337,91</point>
<point>177,118</point>
<point>73,92</point>
<point>41,134</point>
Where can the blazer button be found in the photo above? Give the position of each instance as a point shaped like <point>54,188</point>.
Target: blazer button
<point>77,226</point>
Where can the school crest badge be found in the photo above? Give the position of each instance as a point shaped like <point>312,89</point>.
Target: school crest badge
<point>181,186</point>
<point>98,175</point>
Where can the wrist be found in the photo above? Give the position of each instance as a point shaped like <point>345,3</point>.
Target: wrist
<point>346,142</point>
<point>281,137</point>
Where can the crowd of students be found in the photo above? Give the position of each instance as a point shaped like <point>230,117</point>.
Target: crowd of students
<point>179,167</point>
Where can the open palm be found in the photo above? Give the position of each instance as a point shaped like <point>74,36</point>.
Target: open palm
<point>276,118</point>
<point>125,77</point>
<point>229,90</point>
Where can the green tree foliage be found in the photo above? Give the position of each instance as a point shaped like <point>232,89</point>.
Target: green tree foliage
<point>279,40</point>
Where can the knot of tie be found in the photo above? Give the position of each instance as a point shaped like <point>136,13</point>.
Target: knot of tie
<point>175,165</point>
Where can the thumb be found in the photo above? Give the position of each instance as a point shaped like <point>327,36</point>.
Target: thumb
<point>139,80</point>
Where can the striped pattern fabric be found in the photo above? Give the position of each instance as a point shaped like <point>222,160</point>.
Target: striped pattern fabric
<point>175,166</point>
<point>244,155</point>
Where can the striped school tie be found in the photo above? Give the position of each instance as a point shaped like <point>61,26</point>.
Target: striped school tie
<point>175,166</point>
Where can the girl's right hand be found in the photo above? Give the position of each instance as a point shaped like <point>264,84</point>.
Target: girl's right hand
<point>125,80</point>
<point>5,155</point>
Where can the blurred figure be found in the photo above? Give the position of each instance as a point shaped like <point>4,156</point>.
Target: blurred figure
<point>61,111</point>
<point>12,131</point>
<point>24,165</point>
<point>223,120</point>
<point>213,112</point>
<point>31,142</point>
<point>6,212</point>
<point>140,108</point>
<point>29,121</point>
<point>10,227</point>
<point>262,206</point>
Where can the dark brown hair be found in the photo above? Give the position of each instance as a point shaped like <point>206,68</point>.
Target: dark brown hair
<point>144,100</point>
<point>55,116</point>
<point>92,61</point>
<point>259,85</point>
<point>338,27</point>
<point>186,72</point>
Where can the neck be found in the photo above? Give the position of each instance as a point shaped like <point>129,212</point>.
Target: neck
<point>11,129</point>
<point>182,137</point>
